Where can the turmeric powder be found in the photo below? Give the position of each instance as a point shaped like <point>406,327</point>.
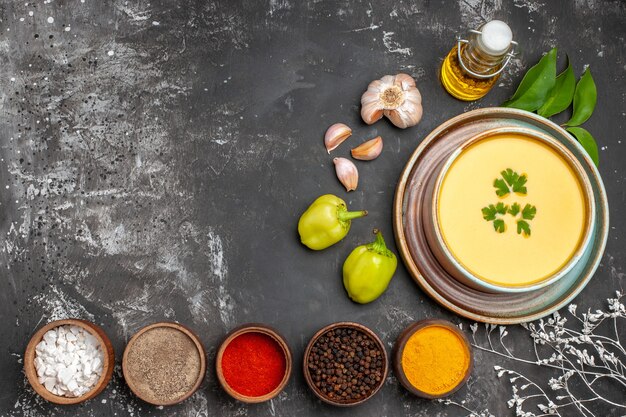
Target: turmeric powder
<point>435,360</point>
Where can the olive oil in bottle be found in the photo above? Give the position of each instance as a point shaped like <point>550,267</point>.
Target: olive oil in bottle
<point>472,67</point>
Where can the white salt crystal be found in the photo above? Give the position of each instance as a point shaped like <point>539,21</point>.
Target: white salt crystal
<point>68,361</point>
<point>91,341</point>
<point>64,375</point>
<point>50,337</point>
<point>72,386</point>
<point>49,383</point>
<point>96,364</point>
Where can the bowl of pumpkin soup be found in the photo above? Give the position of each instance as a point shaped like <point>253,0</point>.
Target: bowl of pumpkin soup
<point>509,211</point>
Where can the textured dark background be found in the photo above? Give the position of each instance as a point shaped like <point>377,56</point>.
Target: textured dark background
<point>155,158</point>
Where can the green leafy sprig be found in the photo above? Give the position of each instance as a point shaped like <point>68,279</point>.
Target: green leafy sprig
<point>510,181</point>
<point>541,90</point>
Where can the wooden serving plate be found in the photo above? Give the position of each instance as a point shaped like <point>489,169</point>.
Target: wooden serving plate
<point>398,350</point>
<point>107,364</point>
<point>345,324</point>
<point>132,384</point>
<point>253,328</point>
<point>433,278</point>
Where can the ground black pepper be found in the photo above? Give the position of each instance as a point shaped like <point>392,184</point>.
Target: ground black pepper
<point>346,365</point>
<point>164,364</point>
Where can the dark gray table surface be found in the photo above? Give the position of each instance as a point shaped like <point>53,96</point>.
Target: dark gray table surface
<point>156,156</point>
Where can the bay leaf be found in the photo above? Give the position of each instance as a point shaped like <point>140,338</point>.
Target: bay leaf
<point>587,141</point>
<point>536,85</point>
<point>561,95</point>
<point>584,99</point>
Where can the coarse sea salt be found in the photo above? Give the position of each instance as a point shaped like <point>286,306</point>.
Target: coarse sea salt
<point>68,361</point>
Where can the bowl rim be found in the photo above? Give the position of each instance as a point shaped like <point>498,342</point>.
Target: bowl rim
<point>589,202</point>
<point>403,338</point>
<point>336,325</point>
<point>108,362</point>
<point>183,329</point>
<point>253,328</point>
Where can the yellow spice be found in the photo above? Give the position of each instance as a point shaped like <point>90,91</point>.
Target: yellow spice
<point>435,360</point>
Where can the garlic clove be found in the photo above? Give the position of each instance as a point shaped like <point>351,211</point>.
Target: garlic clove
<point>403,117</point>
<point>368,150</point>
<point>347,173</point>
<point>404,81</point>
<point>371,112</point>
<point>371,107</point>
<point>387,80</point>
<point>335,135</point>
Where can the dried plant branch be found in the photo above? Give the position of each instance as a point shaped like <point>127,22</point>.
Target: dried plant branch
<point>578,354</point>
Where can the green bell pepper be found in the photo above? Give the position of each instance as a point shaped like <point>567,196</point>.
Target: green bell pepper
<point>368,270</point>
<point>326,222</point>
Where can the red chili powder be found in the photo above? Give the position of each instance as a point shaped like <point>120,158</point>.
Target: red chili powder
<point>253,364</point>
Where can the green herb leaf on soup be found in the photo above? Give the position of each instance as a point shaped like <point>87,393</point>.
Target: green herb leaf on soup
<point>523,226</point>
<point>499,225</point>
<point>509,176</point>
<point>529,212</point>
<point>536,85</point>
<point>501,208</point>
<point>584,99</point>
<point>502,190</point>
<point>514,209</point>
<point>561,95</point>
<point>519,186</point>
<point>587,141</point>
<point>516,182</point>
<point>489,212</point>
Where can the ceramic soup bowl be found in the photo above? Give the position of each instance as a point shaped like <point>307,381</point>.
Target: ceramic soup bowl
<point>511,210</point>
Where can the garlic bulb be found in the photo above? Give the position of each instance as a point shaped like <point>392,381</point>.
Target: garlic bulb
<point>347,173</point>
<point>394,96</point>
<point>368,150</point>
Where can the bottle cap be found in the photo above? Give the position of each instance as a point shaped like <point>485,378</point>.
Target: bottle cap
<point>495,37</point>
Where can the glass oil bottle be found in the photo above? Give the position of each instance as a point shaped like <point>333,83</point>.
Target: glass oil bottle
<point>474,65</point>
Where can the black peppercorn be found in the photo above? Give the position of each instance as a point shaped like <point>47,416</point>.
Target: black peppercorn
<point>350,360</point>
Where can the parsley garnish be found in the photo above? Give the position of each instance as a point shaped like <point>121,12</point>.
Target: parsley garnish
<point>502,190</point>
<point>510,182</point>
<point>499,225</point>
<point>529,212</point>
<point>523,226</point>
<point>490,214</point>
<point>514,209</point>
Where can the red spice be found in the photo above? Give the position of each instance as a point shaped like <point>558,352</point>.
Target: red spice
<point>253,364</point>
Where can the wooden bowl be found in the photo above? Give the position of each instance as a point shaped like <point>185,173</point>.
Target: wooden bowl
<point>253,328</point>
<point>398,349</point>
<point>133,385</point>
<point>107,364</point>
<point>351,325</point>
